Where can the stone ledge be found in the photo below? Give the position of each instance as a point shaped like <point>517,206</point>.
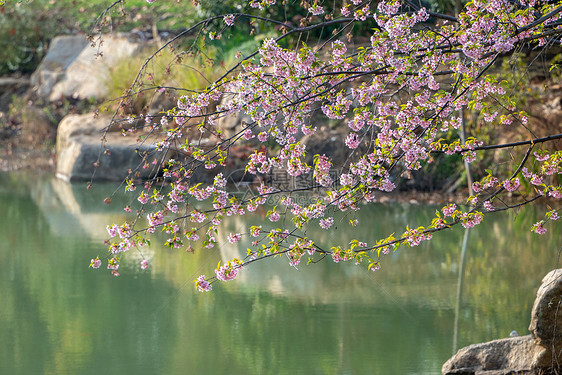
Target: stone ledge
<point>537,353</point>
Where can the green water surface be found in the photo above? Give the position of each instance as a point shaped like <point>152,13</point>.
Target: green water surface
<point>57,316</point>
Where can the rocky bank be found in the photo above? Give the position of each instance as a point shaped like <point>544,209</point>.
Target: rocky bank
<point>537,353</point>
<point>71,79</point>
<point>49,122</point>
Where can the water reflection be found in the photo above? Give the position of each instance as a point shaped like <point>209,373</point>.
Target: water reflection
<point>58,317</point>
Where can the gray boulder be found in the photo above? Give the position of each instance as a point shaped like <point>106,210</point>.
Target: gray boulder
<point>510,355</point>
<point>74,68</point>
<point>546,318</point>
<point>537,353</point>
<point>63,50</point>
<point>329,142</point>
<point>81,155</point>
<point>233,123</point>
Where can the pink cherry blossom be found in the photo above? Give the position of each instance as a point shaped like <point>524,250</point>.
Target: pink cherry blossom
<point>539,228</point>
<point>274,216</point>
<point>488,206</point>
<point>327,222</point>
<point>511,185</point>
<point>112,230</point>
<point>449,209</point>
<point>234,237</point>
<point>95,263</point>
<point>316,10</point>
<point>229,19</point>
<point>553,215</point>
<point>202,284</point>
<point>470,220</point>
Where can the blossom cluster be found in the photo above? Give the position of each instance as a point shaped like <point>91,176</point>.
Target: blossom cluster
<point>397,110</point>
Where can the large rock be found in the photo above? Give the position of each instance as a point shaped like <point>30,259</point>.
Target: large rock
<point>517,354</point>
<point>234,123</point>
<point>81,154</point>
<point>73,68</point>
<point>546,318</point>
<point>329,142</point>
<point>537,353</point>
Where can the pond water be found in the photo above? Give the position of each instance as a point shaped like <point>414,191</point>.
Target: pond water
<point>57,316</point>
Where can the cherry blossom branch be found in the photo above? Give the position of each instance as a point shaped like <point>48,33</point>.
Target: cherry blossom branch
<point>539,21</point>
<point>505,145</point>
<point>387,94</point>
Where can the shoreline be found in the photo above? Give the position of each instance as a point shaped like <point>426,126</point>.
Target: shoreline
<point>19,160</point>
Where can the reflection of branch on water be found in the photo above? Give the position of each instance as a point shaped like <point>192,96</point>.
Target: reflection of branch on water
<point>459,289</point>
